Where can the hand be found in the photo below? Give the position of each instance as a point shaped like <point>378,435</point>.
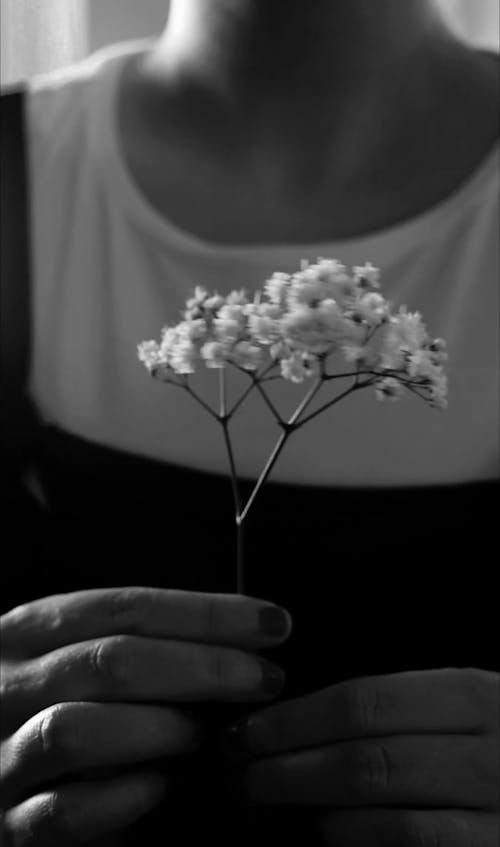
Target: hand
<point>85,680</point>
<point>406,760</point>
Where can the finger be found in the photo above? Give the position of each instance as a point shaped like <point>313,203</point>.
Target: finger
<point>126,668</point>
<point>437,701</point>
<point>51,622</point>
<point>427,771</point>
<point>409,828</point>
<point>75,813</point>
<point>70,737</point>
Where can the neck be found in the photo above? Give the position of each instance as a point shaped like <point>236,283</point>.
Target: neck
<point>269,50</point>
<point>301,78</point>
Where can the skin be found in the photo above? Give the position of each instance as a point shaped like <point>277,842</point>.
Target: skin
<point>241,123</point>
<point>401,760</point>
<point>90,683</point>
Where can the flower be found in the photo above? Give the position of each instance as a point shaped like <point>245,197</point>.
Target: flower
<point>149,353</point>
<point>214,354</point>
<point>247,355</point>
<point>373,309</point>
<point>230,322</point>
<point>276,288</point>
<point>296,322</point>
<point>296,319</point>
<point>367,276</point>
<point>263,327</point>
<point>296,368</point>
<point>389,388</point>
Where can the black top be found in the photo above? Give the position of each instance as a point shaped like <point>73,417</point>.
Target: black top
<point>377,580</point>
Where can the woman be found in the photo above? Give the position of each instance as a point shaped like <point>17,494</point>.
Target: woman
<point>251,135</point>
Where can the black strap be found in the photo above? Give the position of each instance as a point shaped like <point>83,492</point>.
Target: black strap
<point>18,414</point>
<point>15,260</point>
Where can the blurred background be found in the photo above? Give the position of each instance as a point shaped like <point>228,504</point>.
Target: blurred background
<point>38,36</point>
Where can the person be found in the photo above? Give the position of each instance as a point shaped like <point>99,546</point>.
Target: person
<point>142,704</point>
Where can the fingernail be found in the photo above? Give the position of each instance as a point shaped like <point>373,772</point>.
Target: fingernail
<point>273,678</point>
<point>273,621</point>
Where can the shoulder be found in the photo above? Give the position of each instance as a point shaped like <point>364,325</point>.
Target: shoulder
<point>57,105</point>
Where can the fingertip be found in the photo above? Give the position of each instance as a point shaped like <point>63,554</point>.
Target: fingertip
<point>275,623</point>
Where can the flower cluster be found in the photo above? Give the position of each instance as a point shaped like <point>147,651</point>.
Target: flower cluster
<point>297,321</point>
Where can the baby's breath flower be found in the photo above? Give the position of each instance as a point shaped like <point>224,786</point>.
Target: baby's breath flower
<point>280,350</point>
<point>183,356</point>
<point>215,354</point>
<point>328,279</point>
<point>237,298</point>
<point>199,295</point>
<point>389,389</point>
<point>296,368</point>
<point>437,351</point>
<point>297,319</point>
<point>264,329</point>
<point>420,364</point>
<point>149,353</point>
<point>276,287</point>
<point>195,330</point>
<point>314,330</point>
<point>214,303</point>
<point>373,308</point>
<point>355,352</point>
<point>230,322</point>
<point>366,276</point>
<point>246,355</point>
<point>438,391</point>
<point>409,328</point>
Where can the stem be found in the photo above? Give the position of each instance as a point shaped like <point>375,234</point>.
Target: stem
<point>224,420</point>
<point>222,392</point>
<point>330,403</point>
<point>289,427</point>
<point>240,557</point>
<point>255,379</point>
<point>185,385</point>
<point>241,399</point>
<point>267,470</point>
<point>268,402</point>
<point>305,403</point>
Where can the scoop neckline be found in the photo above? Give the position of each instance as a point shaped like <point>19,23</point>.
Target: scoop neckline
<point>425,226</point>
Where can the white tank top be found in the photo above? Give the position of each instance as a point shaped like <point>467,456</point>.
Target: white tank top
<point>110,271</point>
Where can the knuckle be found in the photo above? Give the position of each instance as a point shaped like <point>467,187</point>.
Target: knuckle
<point>122,608</point>
<point>55,734</point>
<point>371,771</point>
<point>367,706</point>
<point>418,836</point>
<point>108,660</point>
<point>481,690</point>
<point>484,768</point>
<point>217,668</point>
<point>58,819</point>
<point>209,615</point>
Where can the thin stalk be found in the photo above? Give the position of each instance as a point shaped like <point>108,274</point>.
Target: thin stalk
<point>222,392</point>
<point>305,403</point>
<point>289,427</point>
<point>185,385</point>
<point>260,378</point>
<point>331,403</point>
<point>241,400</point>
<point>268,402</point>
<point>267,470</point>
<point>224,420</point>
<point>240,557</point>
